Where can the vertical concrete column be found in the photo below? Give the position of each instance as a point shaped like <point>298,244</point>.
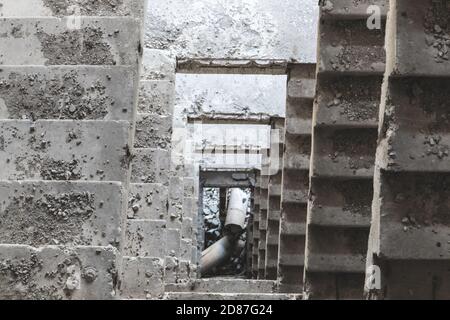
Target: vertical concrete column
<point>409,245</point>
<point>274,201</point>
<point>349,75</point>
<point>295,180</point>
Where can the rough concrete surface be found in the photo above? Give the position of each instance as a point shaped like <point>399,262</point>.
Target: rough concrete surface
<point>27,8</point>
<point>56,273</point>
<point>241,95</point>
<point>236,29</point>
<point>49,41</point>
<point>64,150</point>
<point>61,213</point>
<point>65,92</point>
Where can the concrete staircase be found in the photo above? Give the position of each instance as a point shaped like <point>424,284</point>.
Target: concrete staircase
<point>410,235</point>
<point>295,184</point>
<point>274,202</point>
<point>351,62</point>
<point>227,289</point>
<point>68,93</point>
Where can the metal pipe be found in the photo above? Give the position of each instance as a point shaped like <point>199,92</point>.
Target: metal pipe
<point>221,251</point>
<point>216,254</point>
<point>237,211</point>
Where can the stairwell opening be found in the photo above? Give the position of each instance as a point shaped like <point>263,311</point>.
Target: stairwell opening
<point>225,109</point>
<point>216,206</point>
<point>214,210</point>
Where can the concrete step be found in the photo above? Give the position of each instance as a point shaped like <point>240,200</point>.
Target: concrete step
<point>83,92</point>
<point>43,8</point>
<point>156,97</point>
<point>341,203</point>
<point>301,88</point>
<point>272,239</point>
<point>147,201</point>
<point>71,213</point>
<point>337,263</point>
<point>290,228</point>
<point>350,48</point>
<point>292,253</point>
<point>263,222</point>
<point>432,59</point>
<point>298,126</point>
<point>263,241</point>
<point>263,203</point>
<point>351,65</point>
<point>292,259</point>
<point>348,102</point>
<point>344,286</point>
<point>275,190</point>
<point>274,215</point>
<point>64,150</point>
<point>421,142</point>
<point>336,216</point>
<point>224,285</point>
<point>150,166</point>
<point>270,267</point>
<point>153,131</point>
<point>296,163</point>
<point>142,278</point>
<point>53,273</point>
<point>344,154</point>
<point>230,296</point>
<point>295,196</point>
<point>410,230</point>
<point>49,41</point>
<point>143,238</point>
<point>333,249</point>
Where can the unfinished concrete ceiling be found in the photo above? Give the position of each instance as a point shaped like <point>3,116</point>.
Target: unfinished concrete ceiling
<point>234,29</point>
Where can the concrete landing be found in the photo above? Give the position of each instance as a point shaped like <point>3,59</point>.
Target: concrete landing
<point>229,296</point>
<point>224,285</point>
